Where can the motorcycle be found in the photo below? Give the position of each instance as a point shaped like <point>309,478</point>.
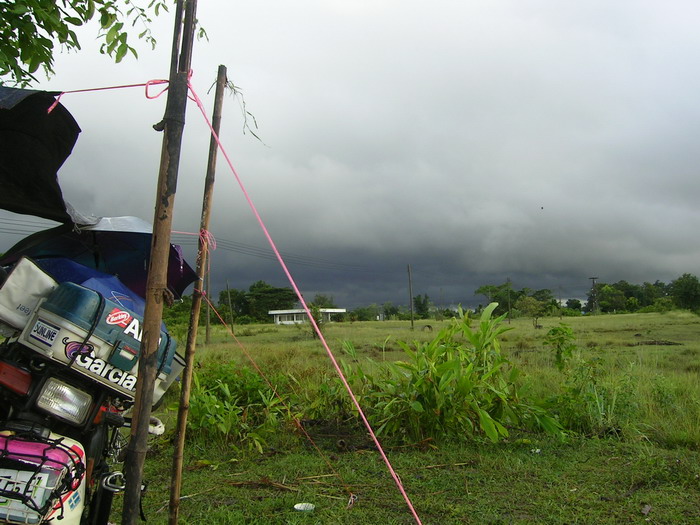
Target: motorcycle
<point>68,373</point>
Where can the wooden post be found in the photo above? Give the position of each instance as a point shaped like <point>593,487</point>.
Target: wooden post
<point>207,332</point>
<point>230,307</point>
<point>410,293</point>
<point>156,288</point>
<point>202,256</point>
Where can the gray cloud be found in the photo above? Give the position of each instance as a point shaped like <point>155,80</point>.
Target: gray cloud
<point>535,141</point>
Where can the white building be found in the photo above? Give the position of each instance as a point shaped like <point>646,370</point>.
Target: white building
<point>298,316</point>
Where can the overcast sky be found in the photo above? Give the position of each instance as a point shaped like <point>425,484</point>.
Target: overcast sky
<point>542,141</point>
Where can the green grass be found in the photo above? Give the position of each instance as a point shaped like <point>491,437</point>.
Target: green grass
<point>649,472</point>
<point>530,480</point>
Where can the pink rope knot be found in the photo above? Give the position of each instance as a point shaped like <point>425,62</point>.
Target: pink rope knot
<point>147,84</point>
<point>207,239</point>
<point>155,83</point>
<point>53,106</point>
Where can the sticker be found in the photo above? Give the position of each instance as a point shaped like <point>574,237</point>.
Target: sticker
<point>128,353</point>
<point>74,500</point>
<point>76,348</point>
<point>44,332</point>
<point>85,357</point>
<point>130,324</point>
<point>118,317</point>
<point>27,483</point>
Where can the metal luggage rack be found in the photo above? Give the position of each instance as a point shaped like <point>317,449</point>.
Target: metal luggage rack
<point>34,481</point>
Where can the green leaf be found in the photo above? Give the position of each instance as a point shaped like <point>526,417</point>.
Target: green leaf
<point>417,407</point>
<point>73,20</point>
<point>487,425</point>
<point>112,34</point>
<point>19,9</point>
<point>486,314</point>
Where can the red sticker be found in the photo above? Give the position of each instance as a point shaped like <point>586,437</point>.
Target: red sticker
<point>118,317</point>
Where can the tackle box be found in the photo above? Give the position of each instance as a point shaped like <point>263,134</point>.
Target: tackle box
<point>98,338</point>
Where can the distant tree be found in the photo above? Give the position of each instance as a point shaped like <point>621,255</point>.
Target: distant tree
<point>263,297</point>
<point>629,290</point>
<point>632,304</point>
<point>323,301</point>
<point>421,305</point>
<point>544,296</point>
<point>238,300</point>
<point>610,299</point>
<point>503,294</point>
<point>651,292</point>
<point>573,304</point>
<point>531,307</point>
<point>685,292</point>
<point>365,313</point>
<point>390,310</point>
<point>489,291</point>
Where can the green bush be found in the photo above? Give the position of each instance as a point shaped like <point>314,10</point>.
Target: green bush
<point>590,402</point>
<point>235,405</point>
<point>459,384</point>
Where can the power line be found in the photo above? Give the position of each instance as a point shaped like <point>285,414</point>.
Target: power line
<point>262,253</point>
<point>28,227</point>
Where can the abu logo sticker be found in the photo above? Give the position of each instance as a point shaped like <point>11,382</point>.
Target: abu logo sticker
<point>44,332</point>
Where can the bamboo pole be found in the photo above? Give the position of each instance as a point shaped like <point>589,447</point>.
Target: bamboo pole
<point>156,287</point>
<point>207,331</point>
<point>410,293</point>
<point>202,256</point>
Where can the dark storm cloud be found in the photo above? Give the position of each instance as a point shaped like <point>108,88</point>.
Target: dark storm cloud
<point>476,141</point>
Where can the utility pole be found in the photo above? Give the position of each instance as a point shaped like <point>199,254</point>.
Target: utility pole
<point>410,293</point>
<point>509,313</point>
<point>230,307</point>
<point>594,296</point>
<point>156,288</point>
<point>202,259</point>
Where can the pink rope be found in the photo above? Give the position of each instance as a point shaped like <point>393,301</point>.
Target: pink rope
<point>393,473</point>
<point>206,241</point>
<point>146,84</point>
<point>352,497</point>
<point>205,236</point>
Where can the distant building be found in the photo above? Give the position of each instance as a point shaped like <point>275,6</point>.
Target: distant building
<point>298,316</point>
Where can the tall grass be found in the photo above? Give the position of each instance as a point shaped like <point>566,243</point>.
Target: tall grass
<point>641,370</point>
<point>634,459</point>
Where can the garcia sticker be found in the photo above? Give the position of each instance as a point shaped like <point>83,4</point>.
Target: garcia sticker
<point>83,355</point>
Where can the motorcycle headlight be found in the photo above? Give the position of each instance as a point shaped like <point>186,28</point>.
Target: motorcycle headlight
<point>64,401</point>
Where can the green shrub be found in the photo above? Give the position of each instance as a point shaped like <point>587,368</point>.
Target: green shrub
<point>561,340</point>
<point>236,406</point>
<point>458,384</point>
<point>591,402</point>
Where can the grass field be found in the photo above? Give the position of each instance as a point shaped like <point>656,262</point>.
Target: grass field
<point>642,467</point>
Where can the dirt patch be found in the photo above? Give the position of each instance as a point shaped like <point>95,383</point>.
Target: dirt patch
<point>656,342</point>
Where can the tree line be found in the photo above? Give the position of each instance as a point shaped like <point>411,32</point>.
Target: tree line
<point>618,297</point>
<point>252,305</point>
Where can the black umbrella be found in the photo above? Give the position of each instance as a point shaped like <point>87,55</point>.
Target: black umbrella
<point>118,246</point>
<point>33,146</point>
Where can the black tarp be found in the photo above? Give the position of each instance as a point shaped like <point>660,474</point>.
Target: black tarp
<point>34,144</point>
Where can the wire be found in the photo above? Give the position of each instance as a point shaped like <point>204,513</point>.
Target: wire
<point>262,253</point>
